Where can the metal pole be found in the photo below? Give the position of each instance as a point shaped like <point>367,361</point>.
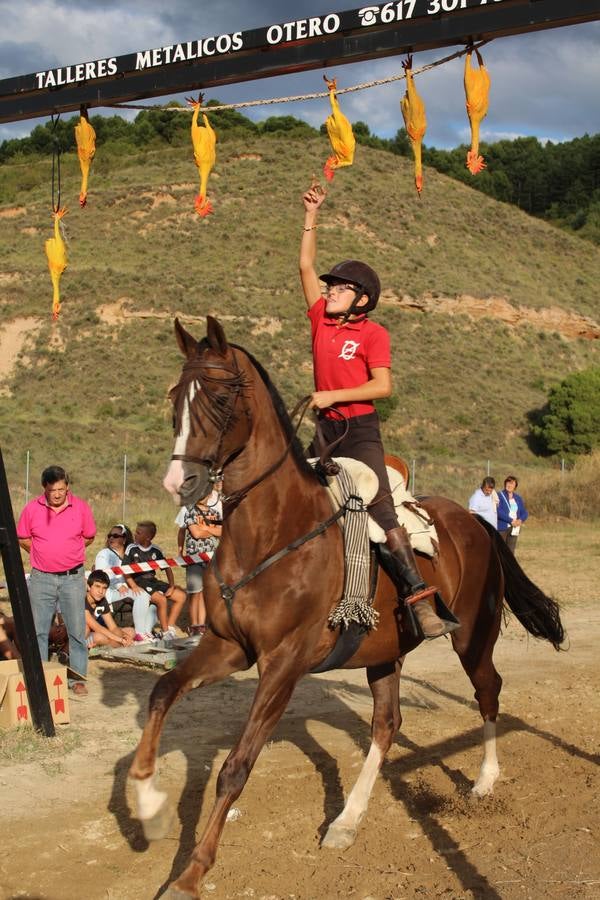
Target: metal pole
<point>562,467</point>
<point>124,487</point>
<point>488,467</point>
<point>27,478</point>
<point>412,477</point>
<point>19,599</point>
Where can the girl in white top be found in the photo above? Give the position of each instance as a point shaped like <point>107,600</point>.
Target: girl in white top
<point>144,614</point>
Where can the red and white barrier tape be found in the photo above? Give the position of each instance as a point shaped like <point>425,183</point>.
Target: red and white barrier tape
<point>169,563</point>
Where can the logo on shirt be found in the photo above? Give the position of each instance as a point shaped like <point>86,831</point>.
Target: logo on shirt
<point>349,350</point>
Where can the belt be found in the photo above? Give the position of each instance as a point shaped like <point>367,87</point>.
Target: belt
<point>73,571</point>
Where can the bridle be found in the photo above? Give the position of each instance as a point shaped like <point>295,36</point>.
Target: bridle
<point>223,419</point>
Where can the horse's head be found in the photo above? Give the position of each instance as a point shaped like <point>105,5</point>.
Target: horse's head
<point>211,422</point>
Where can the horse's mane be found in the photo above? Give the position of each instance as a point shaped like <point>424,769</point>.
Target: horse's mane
<point>296,448</point>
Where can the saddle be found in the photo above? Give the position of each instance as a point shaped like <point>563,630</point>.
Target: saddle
<point>421,529</point>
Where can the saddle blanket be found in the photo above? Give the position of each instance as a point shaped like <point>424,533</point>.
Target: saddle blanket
<point>422,533</point>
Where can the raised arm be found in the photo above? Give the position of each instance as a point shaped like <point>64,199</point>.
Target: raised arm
<point>312,199</point>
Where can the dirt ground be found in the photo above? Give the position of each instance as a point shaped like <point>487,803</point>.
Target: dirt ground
<point>68,834</point>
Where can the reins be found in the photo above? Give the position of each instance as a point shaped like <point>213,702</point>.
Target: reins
<point>228,591</point>
<point>230,501</point>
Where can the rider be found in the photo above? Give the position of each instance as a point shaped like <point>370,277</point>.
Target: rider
<point>352,362</point>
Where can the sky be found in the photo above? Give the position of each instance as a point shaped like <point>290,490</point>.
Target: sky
<point>544,84</point>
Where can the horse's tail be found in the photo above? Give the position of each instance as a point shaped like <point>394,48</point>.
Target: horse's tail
<point>537,613</point>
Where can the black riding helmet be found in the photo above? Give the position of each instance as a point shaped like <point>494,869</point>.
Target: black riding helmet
<point>359,273</point>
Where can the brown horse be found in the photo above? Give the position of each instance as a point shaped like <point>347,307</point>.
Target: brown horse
<point>269,604</point>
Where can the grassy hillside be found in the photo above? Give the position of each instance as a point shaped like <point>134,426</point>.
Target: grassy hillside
<point>92,386</point>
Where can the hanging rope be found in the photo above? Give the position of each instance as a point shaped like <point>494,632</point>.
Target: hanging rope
<point>55,164</point>
<point>317,95</point>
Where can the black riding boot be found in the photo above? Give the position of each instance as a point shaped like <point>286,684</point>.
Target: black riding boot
<point>411,587</point>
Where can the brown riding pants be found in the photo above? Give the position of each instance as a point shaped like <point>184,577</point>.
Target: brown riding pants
<point>363,442</point>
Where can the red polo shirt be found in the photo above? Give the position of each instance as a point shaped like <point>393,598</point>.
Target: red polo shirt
<point>344,357</point>
<point>57,537</point>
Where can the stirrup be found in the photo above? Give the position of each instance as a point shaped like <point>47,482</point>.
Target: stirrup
<point>421,594</point>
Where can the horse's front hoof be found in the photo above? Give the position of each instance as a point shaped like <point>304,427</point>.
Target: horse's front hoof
<point>173,893</point>
<point>338,837</point>
<point>159,825</point>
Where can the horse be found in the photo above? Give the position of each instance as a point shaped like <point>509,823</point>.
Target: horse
<point>278,574</point>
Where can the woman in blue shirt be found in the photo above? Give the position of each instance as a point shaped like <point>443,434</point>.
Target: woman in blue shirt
<point>511,512</point>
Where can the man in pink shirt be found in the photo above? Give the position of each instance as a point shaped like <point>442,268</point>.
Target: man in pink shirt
<point>55,529</point>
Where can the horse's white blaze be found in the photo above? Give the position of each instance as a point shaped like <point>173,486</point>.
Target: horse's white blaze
<point>149,800</point>
<point>490,770</point>
<point>358,799</point>
<point>175,473</point>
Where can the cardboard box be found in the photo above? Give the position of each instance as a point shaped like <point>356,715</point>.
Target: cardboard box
<point>14,703</point>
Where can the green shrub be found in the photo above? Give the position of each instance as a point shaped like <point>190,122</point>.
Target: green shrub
<point>570,422</point>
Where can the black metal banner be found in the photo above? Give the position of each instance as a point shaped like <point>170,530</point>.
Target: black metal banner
<point>332,39</point>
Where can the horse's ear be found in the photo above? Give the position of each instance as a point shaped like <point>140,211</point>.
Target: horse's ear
<point>187,344</point>
<point>216,336</point>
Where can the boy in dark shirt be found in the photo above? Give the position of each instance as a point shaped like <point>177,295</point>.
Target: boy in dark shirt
<point>100,627</point>
<point>144,550</point>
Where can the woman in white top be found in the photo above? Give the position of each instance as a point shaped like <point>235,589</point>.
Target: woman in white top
<point>144,614</point>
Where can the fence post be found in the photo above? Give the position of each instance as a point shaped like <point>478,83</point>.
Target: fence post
<point>124,518</point>
<point>562,467</point>
<point>413,477</point>
<point>488,467</point>
<point>27,478</point>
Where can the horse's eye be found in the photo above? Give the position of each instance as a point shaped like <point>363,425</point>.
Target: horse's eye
<point>174,421</point>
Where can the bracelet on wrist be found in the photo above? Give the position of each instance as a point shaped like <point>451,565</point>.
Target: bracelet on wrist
<point>310,227</point>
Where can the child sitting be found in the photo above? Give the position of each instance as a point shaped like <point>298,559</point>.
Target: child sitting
<point>144,550</point>
<point>100,627</point>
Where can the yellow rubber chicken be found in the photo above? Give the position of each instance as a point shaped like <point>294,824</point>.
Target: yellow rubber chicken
<point>413,112</point>
<point>477,90</point>
<point>86,149</point>
<point>341,136</point>
<point>57,259</point>
<point>204,141</point>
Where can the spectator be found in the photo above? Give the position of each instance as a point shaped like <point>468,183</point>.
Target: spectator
<point>200,528</point>
<point>483,501</point>
<point>511,512</point>
<point>144,550</point>
<point>8,646</point>
<point>55,528</point>
<point>119,537</point>
<point>100,627</point>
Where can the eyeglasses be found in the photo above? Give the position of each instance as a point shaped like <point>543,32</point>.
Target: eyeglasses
<point>340,288</point>
<point>112,535</point>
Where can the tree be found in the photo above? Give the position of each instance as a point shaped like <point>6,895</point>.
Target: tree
<point>570,422</point>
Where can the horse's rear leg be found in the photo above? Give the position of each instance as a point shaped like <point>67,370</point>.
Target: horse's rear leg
<point>384,682</point>
<point>211,661</point>
<point>275,688</point>
<point>478,664</point>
